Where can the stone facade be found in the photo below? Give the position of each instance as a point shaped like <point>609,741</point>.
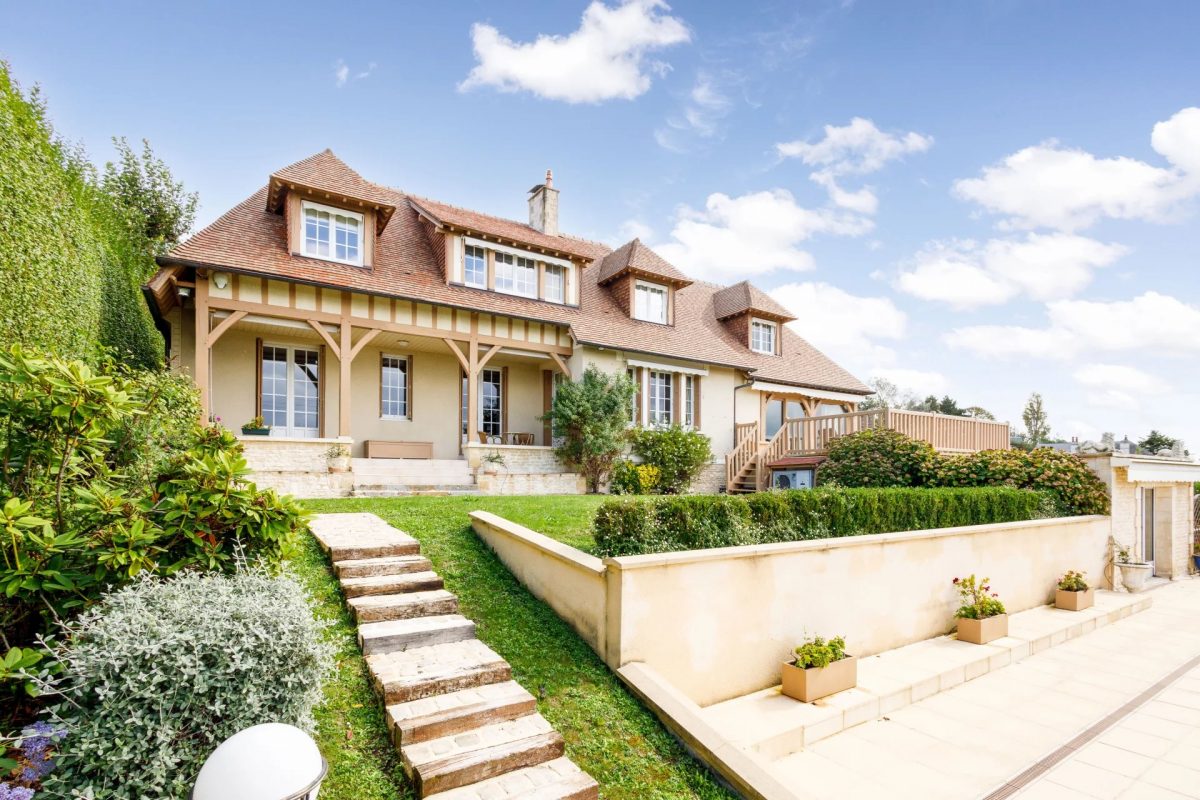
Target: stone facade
<point>517,458</point>
<point>710,480</point>
<point>531,483</point>
<point>299,467</point>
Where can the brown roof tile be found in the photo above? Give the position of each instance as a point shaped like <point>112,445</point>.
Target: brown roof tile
<point>745,296</point>
<point>635,257</point>
<point>250,239</point>
<point>507,229</point>
<point>326,173</point>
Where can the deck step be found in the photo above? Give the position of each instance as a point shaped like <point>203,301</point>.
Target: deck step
<point>409,634</point>
<point>391,584</point>
<point>428,671</point>
<point>382,607</point>
<point>453,761</point>
<point>456,712</point>
<point>559,779</point>
<point>393,565</point>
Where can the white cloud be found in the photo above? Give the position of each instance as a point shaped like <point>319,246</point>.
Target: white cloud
<point>635,229</point>
<point>858,148</point>
<point>966,274</point>
<point>700,117</point>
<point>752,234</point>
<point>1050,186</point>
<point>343,75</point>
<point>1117,385</point>
<point>1150,322</point>
<point>844,326</point>
<point>917,381</point>
<point>605,59</point>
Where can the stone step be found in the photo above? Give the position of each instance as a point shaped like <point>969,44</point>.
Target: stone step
<point>356,536</point>
<point>439,765</point>
<point>381,607</point>
<point>409,634</point>
<point>456,712</point>
<point>428,671</point>
<point>559,779</point>
<point>370,567</point>
<point>391,584</point>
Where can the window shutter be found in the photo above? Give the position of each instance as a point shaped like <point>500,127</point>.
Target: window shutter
<point>677,398</point>
<point>381,366</point>
<point>637,376</point>
<point>547,405</point>
<point>320,391</point>
<point>258,345</point>
<point>503,402</point>
<point>696,402</point>
<point>410,386</point>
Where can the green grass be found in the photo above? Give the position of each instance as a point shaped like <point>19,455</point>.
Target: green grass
<point>608,732</point>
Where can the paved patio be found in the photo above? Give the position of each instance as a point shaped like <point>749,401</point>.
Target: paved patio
<point>1090,718</point>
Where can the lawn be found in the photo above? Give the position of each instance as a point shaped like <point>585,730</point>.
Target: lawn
<point>608,732</point>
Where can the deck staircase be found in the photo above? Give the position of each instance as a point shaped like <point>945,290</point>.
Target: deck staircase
<point>400,477</point>
<point>465,730</point>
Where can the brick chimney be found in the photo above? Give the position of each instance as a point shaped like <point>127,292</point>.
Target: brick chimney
<point>543,206</point>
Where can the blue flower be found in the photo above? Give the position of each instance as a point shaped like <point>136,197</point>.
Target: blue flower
<point>8,792</point>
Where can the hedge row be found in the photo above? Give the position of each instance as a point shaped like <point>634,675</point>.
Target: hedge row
<point>693,522</point>
<point>70,263</point>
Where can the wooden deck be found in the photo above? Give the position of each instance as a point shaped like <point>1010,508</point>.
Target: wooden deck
<point>746,465</point>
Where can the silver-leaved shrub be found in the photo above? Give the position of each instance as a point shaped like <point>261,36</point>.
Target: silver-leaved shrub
<point>160,672</point>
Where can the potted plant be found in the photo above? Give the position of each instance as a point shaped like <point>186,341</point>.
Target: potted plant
<point>1133,573</point>
<point>1073,593</point>
<point>818,669</point>
<point>338,456</point>
<point>491,463</point>
<point>256,427</point>
<point>981,617</point>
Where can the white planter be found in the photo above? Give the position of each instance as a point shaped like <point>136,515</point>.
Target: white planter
<point>1134,575</point>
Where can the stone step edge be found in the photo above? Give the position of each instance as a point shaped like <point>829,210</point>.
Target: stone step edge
<point>860,705</point>
<point>562,776</point>
<point>472,708</point>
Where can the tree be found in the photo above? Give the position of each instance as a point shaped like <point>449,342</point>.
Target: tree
<point>976,412</point>
<point>144,187</point>
<point>590,417</point>
<point>1156,441</point>
<point>887,395</point>
<point>1037,428</point>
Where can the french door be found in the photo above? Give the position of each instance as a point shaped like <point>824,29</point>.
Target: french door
<point>291,391</point>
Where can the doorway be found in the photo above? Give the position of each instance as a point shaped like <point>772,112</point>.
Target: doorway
<point>291,390</point>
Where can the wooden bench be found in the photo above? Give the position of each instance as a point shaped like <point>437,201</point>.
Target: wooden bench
<point>374,448</point>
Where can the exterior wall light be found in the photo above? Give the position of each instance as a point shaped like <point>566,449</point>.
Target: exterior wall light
<point>221,279</point>
<point>264,762</point>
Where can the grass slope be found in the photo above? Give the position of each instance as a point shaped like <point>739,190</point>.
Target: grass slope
<point>608,732</point>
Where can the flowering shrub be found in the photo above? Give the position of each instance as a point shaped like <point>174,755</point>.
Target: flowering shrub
<point>29,761</point>
<point>1073,582</point>
<point>677,453</point>
<point>819,653</point>
<point>631,478</point>
<point>978,599</point>
<point>877,457</point>
<point>160,672</point>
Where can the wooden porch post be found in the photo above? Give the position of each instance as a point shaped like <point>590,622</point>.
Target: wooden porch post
<point>345,360</point>
<point>202,349</point>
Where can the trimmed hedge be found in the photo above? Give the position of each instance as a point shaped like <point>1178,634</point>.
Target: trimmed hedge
<point>662,525</point>
<point>70,263</point>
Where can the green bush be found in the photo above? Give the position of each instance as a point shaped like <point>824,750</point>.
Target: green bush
<point>161,672</point>
<point>877,457</point>
<point>633,527</point>
<point>589,419</point>
<point>106,475</point>
<point>677,453</point>
<point>819,652</point>
<point>1065,477</point>
<point>631,478</point>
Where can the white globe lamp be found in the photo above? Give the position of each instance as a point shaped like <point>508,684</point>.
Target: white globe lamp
<point>264,762</point>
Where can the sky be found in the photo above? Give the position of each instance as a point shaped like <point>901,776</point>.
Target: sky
<point>984,199</point>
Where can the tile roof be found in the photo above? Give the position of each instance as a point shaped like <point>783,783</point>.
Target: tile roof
<point>511,230</point>
<point>325,173</point>
<point>250,239</point>
<point>635,257</point>
<point>745,296</point>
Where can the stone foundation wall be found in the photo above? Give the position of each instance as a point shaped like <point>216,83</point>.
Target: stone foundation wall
<point>517,458</point>
<point>530,483</point>
<point>710,480</point>
<point>307,485</point>
<point>298,467</point>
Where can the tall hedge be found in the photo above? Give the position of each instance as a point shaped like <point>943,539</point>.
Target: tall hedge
<point>70,262</point>
<point>661,525</point>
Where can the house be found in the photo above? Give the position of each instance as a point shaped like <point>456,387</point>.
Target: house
<point>423,335</point>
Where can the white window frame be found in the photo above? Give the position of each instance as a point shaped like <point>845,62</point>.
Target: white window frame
<point>508,267</point>
<point>561,271</point>
<point>757,325</point>
<point>334,213</point>
<point>407,395</point>
<point>653,419</point>
<point>650,288</point>
<point>499,381</point>
<point>466,273</point>
<point>291,396</point>
<point>689,401</point>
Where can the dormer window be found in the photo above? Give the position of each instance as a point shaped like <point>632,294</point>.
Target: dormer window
<point>650,302</point>
<point>762,336</point>
<point>516,275</point>
<point>332,234</point>
<point>555,283</point>
<point>475,267</point>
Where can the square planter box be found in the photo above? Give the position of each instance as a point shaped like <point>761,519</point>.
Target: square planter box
<point>1074,601</point>
<point>256,431</point>
<point>814,683</point>
<point>982,631</point>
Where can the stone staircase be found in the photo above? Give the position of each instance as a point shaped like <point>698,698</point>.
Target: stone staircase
<point>399,477</point>
<point>465,730</point>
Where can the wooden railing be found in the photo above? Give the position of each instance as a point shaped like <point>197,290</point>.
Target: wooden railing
<point>744,452</point>
<point>950,434</point>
